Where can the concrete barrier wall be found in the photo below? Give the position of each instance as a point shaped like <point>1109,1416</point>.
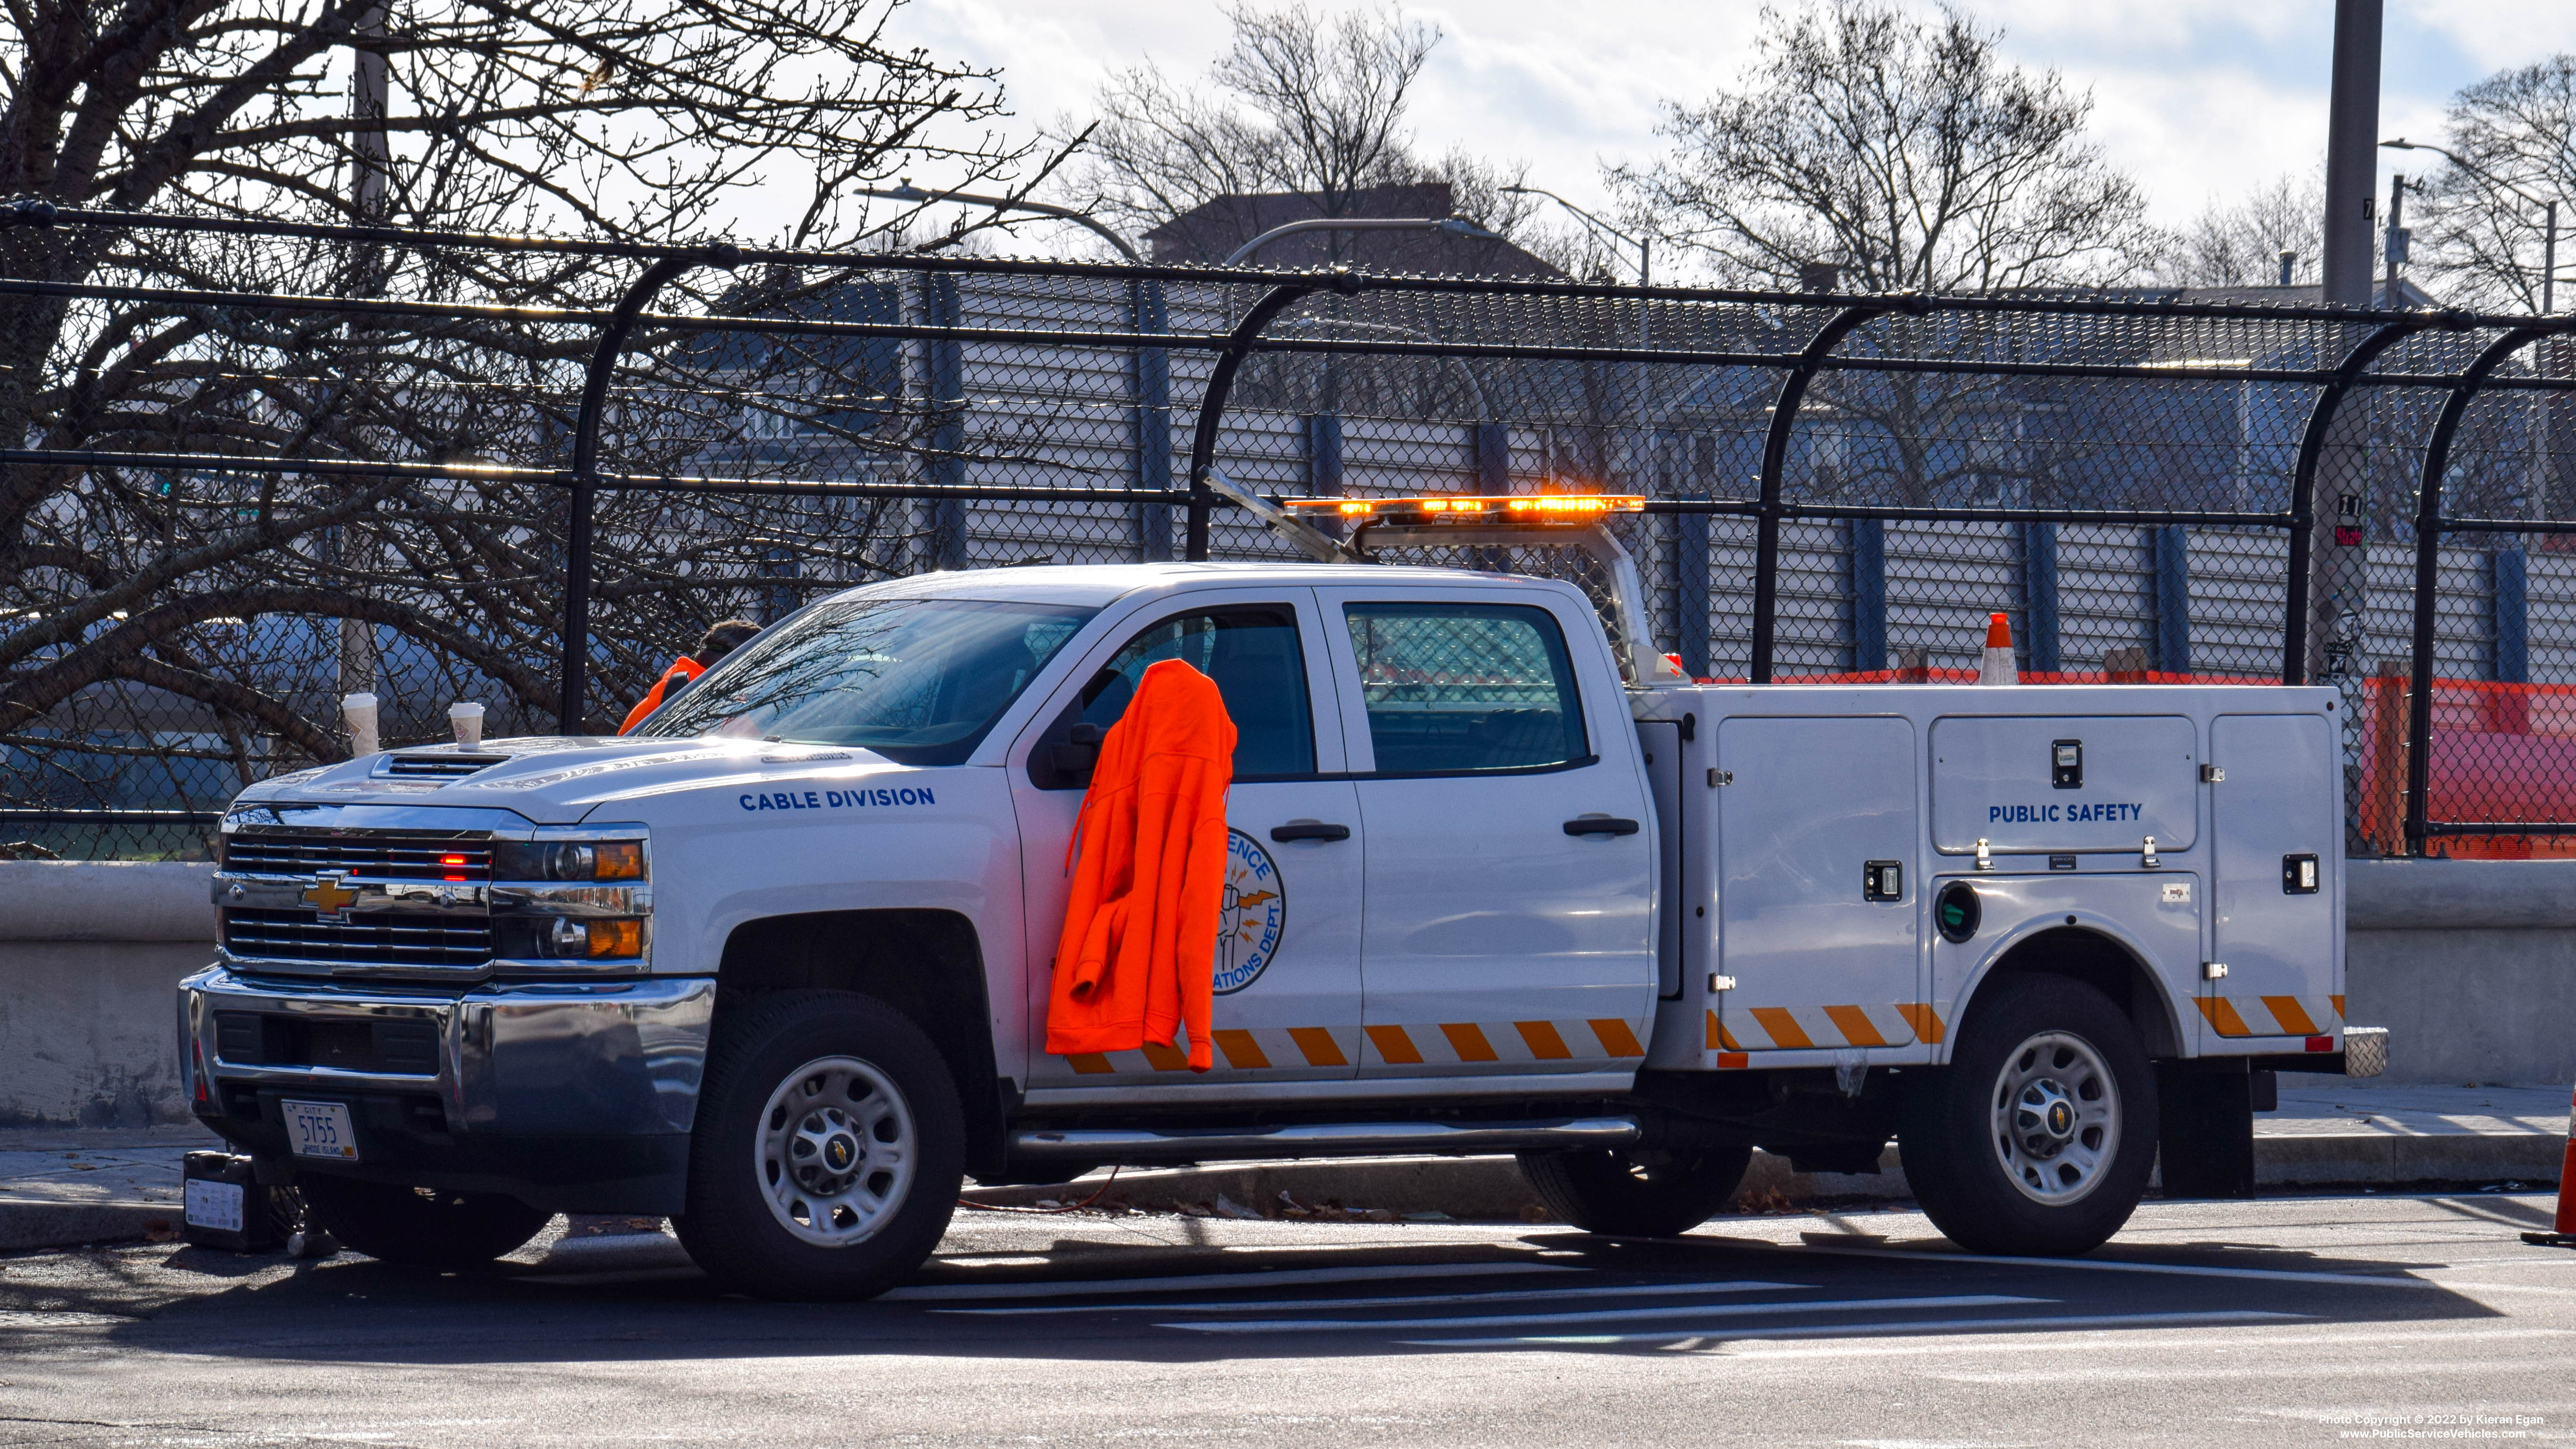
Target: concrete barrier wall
<point>2470,964</point>
<point>89,954</point>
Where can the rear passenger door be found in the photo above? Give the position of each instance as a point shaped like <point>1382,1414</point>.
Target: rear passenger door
<point>1497,940</point>
<point>1288,946</point>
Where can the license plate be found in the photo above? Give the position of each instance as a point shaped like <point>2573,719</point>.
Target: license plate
<point>321,1129</point>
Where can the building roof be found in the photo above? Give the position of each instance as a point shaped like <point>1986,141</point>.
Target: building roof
<point>1210,232</point>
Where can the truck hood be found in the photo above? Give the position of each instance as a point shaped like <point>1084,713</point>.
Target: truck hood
<point>559,780</point>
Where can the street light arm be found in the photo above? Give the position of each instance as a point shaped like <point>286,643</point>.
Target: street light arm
<point>910,192</point>
<point>2456,159</point>
<point>1645,263</point>
<point>1451,225</point>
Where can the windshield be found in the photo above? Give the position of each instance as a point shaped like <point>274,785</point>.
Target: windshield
<point>916,680</point>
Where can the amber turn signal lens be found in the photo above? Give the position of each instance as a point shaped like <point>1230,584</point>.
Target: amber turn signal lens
<point>616,938</point>
<point>619,860</point>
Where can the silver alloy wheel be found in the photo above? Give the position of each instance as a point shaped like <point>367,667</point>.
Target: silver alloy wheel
<point>835,1151</point>
<point>2057,1118</point>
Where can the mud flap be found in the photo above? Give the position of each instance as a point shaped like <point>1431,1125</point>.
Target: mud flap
<point>2206,1148</point>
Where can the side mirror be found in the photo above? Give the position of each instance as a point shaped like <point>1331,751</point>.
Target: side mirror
<point>1080,752</point>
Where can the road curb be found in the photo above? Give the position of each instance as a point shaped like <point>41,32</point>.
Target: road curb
<point>28,1225</point>
<point>1492,1187</point>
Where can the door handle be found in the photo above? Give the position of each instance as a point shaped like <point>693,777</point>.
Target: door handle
<point>1600,825</point>
<point>1309,830</point>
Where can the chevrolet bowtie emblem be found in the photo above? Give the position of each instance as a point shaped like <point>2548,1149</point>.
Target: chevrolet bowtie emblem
<point>330,897</point>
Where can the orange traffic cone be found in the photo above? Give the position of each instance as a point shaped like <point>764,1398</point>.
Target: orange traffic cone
<point>1998,666</point>
<point>2563,1233</point>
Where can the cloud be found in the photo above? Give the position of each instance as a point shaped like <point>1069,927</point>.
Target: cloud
<point>2196,98</point>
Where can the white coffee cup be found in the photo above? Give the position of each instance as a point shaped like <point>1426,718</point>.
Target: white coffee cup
<point>467,717</point>
<point>360,712</point>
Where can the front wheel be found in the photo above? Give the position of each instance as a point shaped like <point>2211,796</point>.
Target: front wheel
<point>828,1151</point>
<point>418,1226</point>
<point>2039,1136</point>
<point>1636,1194</point>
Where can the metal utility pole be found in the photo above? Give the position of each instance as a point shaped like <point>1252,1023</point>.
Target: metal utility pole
<point>2337,525</point>
<point>2352,150</point>
<point>371,164</point>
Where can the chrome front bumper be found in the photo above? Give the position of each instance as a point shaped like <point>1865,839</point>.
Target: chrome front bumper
<point>576,1095</point>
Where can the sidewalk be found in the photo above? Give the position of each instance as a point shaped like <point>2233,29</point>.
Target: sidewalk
<point>60,1188</point>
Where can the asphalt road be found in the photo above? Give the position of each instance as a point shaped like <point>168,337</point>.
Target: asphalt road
<point>2282,1321</point>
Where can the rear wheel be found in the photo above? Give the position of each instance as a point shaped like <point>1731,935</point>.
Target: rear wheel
<point>2039,1135</point>
<point>828,1150</point>
<point>417,1226</point>
<point>1636,1194</point>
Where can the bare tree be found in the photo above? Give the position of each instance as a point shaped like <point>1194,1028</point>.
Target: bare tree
<point>2478,243</point>
<point>134,596</point>
<point>1298,103</point>
<point>2240,244</point>
<point>1905,151</point>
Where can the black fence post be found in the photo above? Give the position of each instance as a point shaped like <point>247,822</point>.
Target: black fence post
<point>1153,421</point>
<point>947,400</point>
<point>585,464</point>
<point>2428,549</point>
<point>1775,458</point>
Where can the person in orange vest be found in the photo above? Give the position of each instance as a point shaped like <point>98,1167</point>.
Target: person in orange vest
<point>719,641</point>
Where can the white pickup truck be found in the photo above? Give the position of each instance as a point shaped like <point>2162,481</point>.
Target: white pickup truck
<point>777,965</point>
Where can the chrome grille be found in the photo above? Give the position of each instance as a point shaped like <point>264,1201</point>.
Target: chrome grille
<point>369,857</point>
<point>408,938</point>
<point>444,767</point>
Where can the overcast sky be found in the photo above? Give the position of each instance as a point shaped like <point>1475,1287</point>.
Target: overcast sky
<point>2196,98</point>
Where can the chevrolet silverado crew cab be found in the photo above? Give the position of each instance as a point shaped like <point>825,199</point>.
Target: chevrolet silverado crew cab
<point>1499,879</point>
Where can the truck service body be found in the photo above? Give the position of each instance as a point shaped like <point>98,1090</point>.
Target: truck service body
<point>1493,885</point>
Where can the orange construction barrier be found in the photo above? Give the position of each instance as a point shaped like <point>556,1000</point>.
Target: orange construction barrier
<point>2563,1231</point>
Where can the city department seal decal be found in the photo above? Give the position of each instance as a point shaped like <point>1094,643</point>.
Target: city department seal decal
<point>1254,917</point>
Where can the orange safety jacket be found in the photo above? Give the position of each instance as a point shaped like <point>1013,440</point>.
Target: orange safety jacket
<point>682,670</point>
<point>1138,955</point>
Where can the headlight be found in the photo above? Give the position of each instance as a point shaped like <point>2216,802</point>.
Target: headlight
<point>568,860</point>
<point>573,900</point>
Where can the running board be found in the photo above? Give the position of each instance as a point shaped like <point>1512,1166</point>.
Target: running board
<point>1320,1139</point>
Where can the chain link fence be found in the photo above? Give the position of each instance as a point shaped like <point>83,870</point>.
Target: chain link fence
<point>268,465</point>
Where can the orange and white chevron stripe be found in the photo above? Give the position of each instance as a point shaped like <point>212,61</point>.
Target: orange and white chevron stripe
<point>1527,1043</point>
<point>1440,1044</point>
<point>2272,1015</point>
<point>1803,1028</point>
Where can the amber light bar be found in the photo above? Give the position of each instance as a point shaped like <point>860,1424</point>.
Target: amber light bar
<point>1458,508</point>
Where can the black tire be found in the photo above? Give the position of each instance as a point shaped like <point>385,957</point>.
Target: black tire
<point>2080,1182</point>
<point>837,1106</point>
<point>1636,1195</point>
<point>418,1227</point>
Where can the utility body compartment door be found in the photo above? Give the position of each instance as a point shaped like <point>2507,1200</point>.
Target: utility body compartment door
<point>1814,925</point>
<point>2005,779</point>
<point>2276,817</point>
